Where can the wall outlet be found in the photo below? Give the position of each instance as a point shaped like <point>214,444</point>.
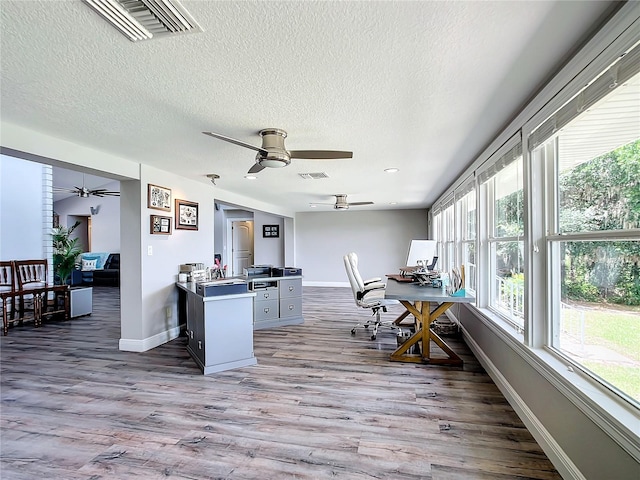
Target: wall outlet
<point>150,250</point>
<point>168,312</point>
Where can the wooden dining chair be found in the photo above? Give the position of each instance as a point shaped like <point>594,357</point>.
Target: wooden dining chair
<point>31,278</point>
<point>32,281</point>
<point>7,293</point>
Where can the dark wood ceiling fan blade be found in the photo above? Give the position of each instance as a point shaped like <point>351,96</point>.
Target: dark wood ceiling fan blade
<point>236,142</point>
<point>320,154</point>
<point>98,193</point>
<point>256,168</point>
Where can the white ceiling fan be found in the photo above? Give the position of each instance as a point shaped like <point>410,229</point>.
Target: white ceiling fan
<point>85,192</point>
<point>342,204</point>
<point>273,153</point>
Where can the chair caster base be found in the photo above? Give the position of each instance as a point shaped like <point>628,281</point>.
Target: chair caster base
<point>353,331</point>
<point>373,337</point>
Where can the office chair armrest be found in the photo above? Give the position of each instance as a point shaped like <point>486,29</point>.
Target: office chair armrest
<point>372,280</point>
<point>374,286</point>
<point>372,294</point>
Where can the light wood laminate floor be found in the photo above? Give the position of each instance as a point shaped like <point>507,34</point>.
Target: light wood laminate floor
<point>319,404</point>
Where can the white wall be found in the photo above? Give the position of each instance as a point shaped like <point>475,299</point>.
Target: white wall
<point>380,238</point>
<point>22,186</point>
<point>105,226</point>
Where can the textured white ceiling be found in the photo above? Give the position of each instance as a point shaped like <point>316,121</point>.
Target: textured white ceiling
<point>421,86</point>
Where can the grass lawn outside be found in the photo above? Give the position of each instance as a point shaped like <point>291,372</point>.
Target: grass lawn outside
<point>606,341</point>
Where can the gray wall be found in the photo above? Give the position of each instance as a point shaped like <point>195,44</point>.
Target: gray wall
<point>267,250</point>
<point>380,238</point>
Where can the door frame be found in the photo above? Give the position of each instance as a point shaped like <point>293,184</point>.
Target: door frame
<point>228,256</point>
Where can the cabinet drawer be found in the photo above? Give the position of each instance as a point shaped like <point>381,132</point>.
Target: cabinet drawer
<point>290,307</point>
<point>291,288</point>
<point>266,294</point>
<point>265,310</point>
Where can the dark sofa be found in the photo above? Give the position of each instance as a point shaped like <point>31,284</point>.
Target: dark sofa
<point>110,274</point>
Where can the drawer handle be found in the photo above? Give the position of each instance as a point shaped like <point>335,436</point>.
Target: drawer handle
<point>266,310</point>
<point>291,307</point>
<point>199,345</point>
<point>291,289</point>
<point>266,295</point>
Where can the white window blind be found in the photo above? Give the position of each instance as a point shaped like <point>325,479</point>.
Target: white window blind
<point>504,156</point>
<point>466,186</point>
<point>447,202</point>
<point>623,69</point>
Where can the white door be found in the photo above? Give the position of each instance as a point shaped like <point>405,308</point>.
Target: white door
<point>242,245</point>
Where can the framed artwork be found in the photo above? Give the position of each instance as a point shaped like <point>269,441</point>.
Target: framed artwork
<point>272,231</point>
<point>159,198</point>
<point>186,215</point>
<point>160,225</point>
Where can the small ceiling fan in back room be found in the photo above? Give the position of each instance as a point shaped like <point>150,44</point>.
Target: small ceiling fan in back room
<point>273,154</point>
<point>85,192</point>
<point>342,204</point>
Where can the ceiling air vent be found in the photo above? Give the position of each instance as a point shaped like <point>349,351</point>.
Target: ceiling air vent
<point>313,176</point>
<point>145,19</point>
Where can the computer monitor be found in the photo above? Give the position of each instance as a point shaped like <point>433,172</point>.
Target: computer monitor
<point>422,251</point>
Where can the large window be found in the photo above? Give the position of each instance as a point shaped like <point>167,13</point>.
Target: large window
<point>466,233</point>
<point>594,239</point>
<point>448,262</point>
<point>503,190</point>
<point>547,225</point>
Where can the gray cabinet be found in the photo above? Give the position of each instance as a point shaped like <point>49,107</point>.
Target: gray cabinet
<point>219,330</point>
<point>291,298</point>
<point>265,307</point>
<point>278,301</point>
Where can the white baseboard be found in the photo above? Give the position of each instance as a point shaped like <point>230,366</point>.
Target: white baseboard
<point>131,345</point>
<point>556,454</point>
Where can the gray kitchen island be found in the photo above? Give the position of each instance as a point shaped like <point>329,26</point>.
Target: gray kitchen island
<point>219,319</point>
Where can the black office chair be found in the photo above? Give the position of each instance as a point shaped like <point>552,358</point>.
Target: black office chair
<point>368,294</point>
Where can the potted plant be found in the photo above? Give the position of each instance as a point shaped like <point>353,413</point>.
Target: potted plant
<point>65,252</point>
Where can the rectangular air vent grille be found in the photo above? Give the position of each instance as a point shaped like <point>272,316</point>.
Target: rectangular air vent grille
<point>145,19</point>
<point>313,176</point>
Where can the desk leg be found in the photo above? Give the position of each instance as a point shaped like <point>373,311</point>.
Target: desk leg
<point>424,318</point>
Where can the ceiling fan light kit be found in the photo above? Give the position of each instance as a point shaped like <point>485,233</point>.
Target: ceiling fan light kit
<point>273,154</point>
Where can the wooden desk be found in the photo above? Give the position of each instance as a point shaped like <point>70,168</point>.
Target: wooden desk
<point>417,300</point>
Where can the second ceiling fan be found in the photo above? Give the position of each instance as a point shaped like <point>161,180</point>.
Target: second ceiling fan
<point>342,204</point>
<point>273,153</point>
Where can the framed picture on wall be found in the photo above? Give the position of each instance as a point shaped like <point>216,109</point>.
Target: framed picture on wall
<point>186,215</point>
<point>160,225</point>
<point>272,231</point>
<point>159,198</point>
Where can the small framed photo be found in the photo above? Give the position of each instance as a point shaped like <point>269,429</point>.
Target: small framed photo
<point>272,231</point>
<point>186,215</point>
<point>159,198</point>
<point>160,225</point>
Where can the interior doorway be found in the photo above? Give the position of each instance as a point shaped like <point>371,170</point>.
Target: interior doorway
<point>241,245</point>
<point>82,232</point>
